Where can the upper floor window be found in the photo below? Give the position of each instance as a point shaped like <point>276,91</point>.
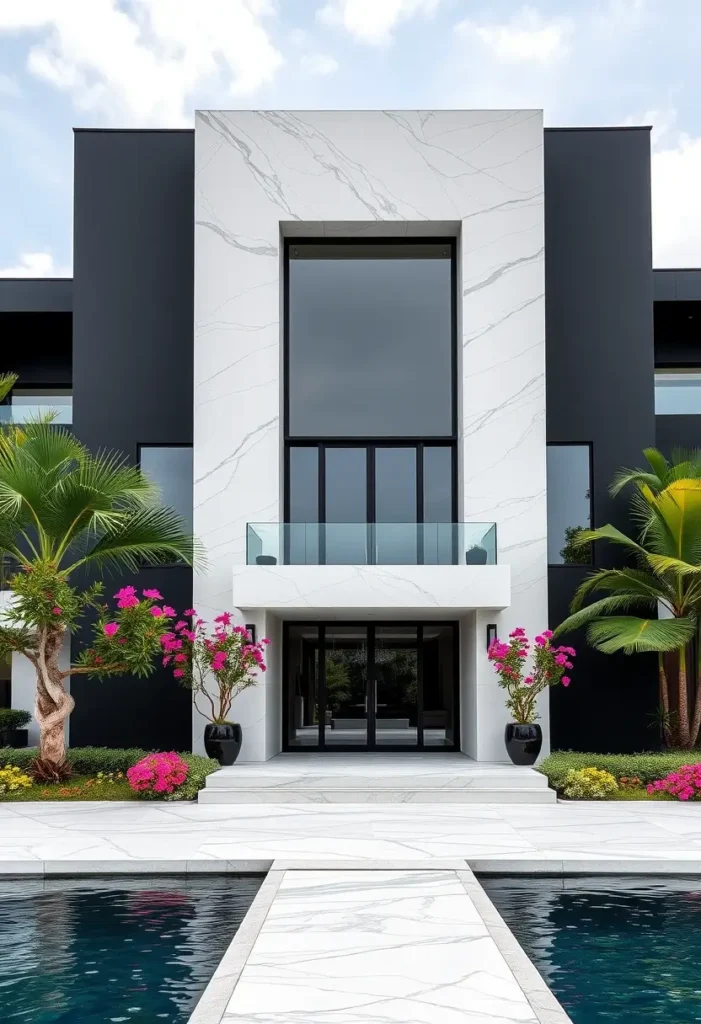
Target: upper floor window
<point>677,392</point>
<point>569,502</point>
<point>170,468</point>
<point>370,340</point>
<point>27,404</point>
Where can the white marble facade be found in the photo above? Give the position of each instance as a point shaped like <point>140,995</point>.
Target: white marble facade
<point>477,175</point>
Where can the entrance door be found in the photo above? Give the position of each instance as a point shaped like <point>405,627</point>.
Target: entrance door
<point>373,687</point>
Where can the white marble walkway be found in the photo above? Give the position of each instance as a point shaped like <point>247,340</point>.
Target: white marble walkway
<point>619,837</point>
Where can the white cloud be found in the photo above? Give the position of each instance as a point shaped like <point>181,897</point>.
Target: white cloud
<point>36,264</point>
<point>138,63</point>
<point>319,64</point>
<point>526,38</point>
<point>373,21</point>
<point>676,204</point>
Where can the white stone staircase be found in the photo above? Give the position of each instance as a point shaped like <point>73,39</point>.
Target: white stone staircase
<point>376,778</point>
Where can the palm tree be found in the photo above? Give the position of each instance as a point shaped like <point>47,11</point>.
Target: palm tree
<point>667,577</point>
<point>64,510</point>
<point>660,473</point>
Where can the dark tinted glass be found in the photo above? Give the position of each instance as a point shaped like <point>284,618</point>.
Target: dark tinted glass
<point>569,502</point>
<point>438,485</point>
<point>370,341</point>
<point>303,686</point>
<point>346,505</point>
<point>304,485</point>
<point>395,505</point>
<point>171,470</point>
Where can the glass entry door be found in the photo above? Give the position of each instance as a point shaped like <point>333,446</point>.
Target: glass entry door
<point>373,687</point>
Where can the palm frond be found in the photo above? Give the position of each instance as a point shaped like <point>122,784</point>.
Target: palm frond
<point>7,382</point>
<point>632,635</point>
<point>612,534</point>
<point>154,534</point>
<point>605,605</point>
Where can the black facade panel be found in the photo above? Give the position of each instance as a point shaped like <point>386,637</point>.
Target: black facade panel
<point>37,347</point>
<point>600,362</point>
<point>677,334</point>
<point>36,295</point>
<point>677,432</point>
<point>132,370</point>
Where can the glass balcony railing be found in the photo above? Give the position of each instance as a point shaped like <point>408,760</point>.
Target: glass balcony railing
<point>371,544</point>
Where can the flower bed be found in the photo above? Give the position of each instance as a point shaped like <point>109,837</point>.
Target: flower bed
<point>634,774</point>
<point>100,773</point>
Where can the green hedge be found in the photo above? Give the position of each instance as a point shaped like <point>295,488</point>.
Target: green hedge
<point>646,766</point>
<point>91,760</point>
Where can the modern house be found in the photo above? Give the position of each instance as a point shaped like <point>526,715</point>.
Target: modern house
<point>423,343</point>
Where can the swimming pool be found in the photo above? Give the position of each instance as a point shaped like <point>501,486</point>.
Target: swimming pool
<point>118,950</point>
<point>614,950</point>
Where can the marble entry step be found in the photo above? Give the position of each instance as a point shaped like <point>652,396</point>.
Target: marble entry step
<point>275,782</point>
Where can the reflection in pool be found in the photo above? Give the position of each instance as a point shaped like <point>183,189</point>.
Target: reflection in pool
<point>616,950</point>
<point>121,950</point>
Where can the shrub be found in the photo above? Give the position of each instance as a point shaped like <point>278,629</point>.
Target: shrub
<point>648,767</point>
<point>685,783</point>
<point>589,784</point>
<point>157,774</point>
<point>11,718</point>
<point>91,761</point>
<point>12,779</point>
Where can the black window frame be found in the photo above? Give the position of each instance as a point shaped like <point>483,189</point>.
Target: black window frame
<point>576,444</point>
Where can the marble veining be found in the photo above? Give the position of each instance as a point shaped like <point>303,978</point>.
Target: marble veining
<point>358,946</point>
<point>475,175</point>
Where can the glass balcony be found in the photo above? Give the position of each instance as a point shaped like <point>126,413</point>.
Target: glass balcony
<point>371,544</point>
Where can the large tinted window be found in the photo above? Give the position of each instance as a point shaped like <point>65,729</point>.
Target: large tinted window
<point>569,502</point>
<point>370,340</point>
<point>171,469</point>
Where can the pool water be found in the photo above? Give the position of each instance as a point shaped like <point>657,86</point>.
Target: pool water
<point>613,950</point>
<point>117,950</point>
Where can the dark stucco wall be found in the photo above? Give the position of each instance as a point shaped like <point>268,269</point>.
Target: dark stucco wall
<point>132,369</point>
<point>600,361</point>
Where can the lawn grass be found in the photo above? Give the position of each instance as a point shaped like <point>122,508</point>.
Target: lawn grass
<point>76,789</point>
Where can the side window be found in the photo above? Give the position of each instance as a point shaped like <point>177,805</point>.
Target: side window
<point>569,502</point>
<point>170,468</point>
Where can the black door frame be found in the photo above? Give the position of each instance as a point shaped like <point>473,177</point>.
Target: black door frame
<point>371,745</point>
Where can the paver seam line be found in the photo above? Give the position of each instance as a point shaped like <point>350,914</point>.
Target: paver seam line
<point>213,1002</point>
<point>545,1006</point>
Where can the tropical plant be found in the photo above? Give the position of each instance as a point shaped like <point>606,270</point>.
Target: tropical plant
<point>550,664</point>
<point>228,656</point>
<point>65,511</point>
<point>684,783</point>
<point>660,472</point>
<point>13,718</point>
<point>157,774</point>
<point>667,576</point>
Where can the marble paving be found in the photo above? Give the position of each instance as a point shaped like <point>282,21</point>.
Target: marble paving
<point>376,946</point>
<point>617,837</point>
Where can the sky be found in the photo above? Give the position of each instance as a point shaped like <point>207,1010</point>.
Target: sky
<point>151,63</point>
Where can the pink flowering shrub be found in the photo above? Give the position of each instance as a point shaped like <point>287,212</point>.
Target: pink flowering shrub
<point>228,655</point>
<point>127,638</point>
<point>157,774</point>
<point>548,667</point>
<point>684,783</point>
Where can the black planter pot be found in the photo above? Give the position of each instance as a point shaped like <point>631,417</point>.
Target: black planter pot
<point>223,742</point>
<point>15,738</point>
<point>523,742</point>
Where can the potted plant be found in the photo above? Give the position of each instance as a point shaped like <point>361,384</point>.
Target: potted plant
<point>230,658</point>
<point>12,731</point>
<point>523,736</point>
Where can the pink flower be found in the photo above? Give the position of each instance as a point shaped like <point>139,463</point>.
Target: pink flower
<point>110,628</point>
<point>265,640</point>
<point>166,660</point>
<point>56,610</point>
<point>181,625</point>
<point>224,618</point>
<point>519,631</point>
<point>547,633</point>
<point>180,658</point>
<point>125,592</point>
<point>128,602</point>
<point>152,594</point>
<point>156,610</point>
<point>565,680</point>
<point>528,681</point>
<point>167,610</point>
<point>178,673</point>
<point>561,659</point>
<point>189,611</point>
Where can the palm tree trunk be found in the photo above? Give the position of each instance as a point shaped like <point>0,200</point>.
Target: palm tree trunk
<point>696,720</point>
<point>683,727</point>
<point>53,704</point>
<point>664,701</point>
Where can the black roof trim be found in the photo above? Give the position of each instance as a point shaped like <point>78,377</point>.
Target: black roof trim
<point>36,294</point>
